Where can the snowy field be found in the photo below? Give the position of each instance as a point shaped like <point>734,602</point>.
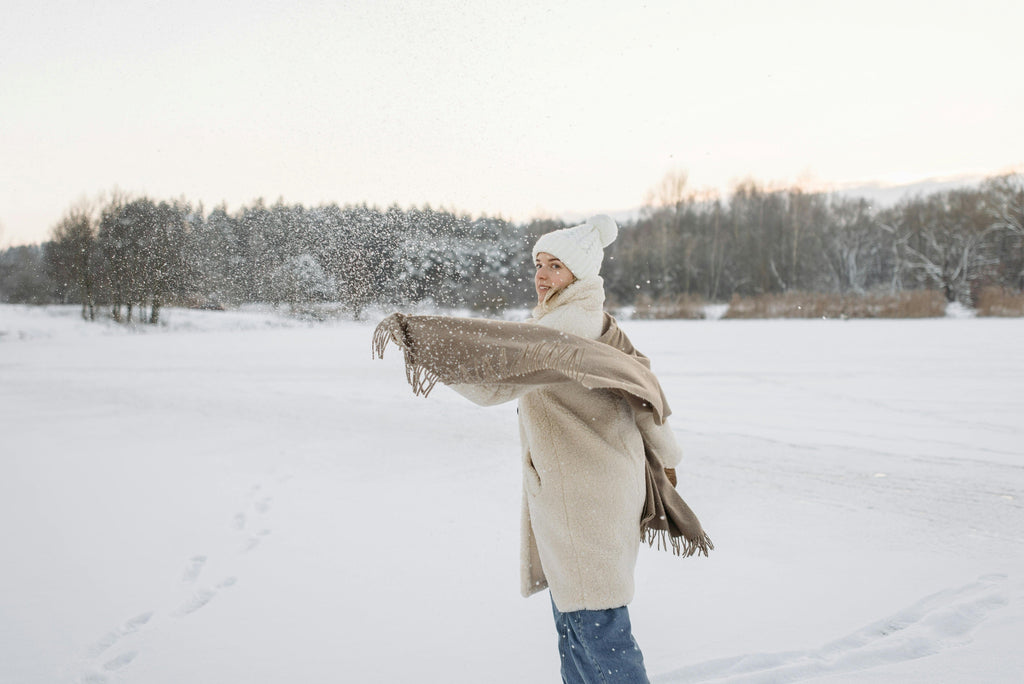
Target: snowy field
<point>236,497</point>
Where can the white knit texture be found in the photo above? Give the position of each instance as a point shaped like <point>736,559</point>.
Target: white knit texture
<point>580,248</point>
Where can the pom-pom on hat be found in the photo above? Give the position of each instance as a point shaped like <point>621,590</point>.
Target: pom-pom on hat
<point>580,248</point>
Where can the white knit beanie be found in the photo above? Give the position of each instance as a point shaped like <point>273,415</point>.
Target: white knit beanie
<point>581,247</point>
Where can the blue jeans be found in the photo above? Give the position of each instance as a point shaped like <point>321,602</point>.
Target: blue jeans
<point>597,647</point>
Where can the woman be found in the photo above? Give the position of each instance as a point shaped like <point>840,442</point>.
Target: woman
<point>595,445</point>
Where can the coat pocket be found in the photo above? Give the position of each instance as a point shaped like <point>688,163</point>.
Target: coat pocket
<point>531,478</point>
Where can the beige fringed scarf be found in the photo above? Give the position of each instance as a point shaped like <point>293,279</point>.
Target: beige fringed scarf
<point>468,351</point>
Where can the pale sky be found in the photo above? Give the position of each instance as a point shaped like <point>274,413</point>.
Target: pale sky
<point>517,109</point>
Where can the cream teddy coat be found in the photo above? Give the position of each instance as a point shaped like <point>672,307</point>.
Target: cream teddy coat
<point>583,471</point>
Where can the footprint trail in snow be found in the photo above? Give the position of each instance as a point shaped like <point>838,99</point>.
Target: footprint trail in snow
<point>101,661</point>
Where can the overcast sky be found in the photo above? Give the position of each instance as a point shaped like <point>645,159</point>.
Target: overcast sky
<point>513,108</point>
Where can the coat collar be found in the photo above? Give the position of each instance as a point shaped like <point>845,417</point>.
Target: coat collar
<point>587,294</point>
<point>575,309</point>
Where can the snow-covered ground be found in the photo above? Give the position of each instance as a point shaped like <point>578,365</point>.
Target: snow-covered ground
<point>236,497</point>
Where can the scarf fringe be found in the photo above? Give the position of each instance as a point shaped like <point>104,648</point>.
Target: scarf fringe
<point>680,546</point>
<point>382,336</point>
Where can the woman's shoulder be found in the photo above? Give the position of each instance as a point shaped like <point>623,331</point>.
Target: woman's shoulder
<point>614,336</point>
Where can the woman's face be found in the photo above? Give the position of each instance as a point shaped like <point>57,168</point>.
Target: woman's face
<point>551,276</point>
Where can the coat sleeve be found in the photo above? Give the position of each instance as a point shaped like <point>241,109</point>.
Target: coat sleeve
<point>491,395</point>
<point>659,439</point>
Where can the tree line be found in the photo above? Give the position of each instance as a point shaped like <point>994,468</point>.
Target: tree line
<point>135,255</point>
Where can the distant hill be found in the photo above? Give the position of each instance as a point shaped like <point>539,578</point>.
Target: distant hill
<point>878,194</point>
<point>888,195</point>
